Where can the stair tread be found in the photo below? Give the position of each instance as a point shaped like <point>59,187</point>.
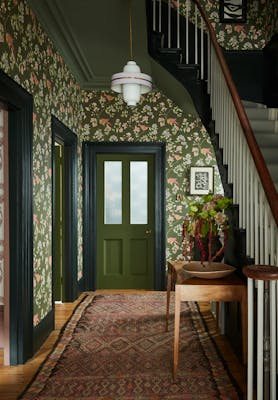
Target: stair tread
<point>251,104</point>
<point>183,65</point>
<point>172,50</point>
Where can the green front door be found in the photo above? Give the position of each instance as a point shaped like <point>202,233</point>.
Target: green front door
<point>125,221</point>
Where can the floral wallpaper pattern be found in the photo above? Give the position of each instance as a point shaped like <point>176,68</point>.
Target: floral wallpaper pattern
<point>156,119</point>
<point>261,24</point>
<point>28,56</point>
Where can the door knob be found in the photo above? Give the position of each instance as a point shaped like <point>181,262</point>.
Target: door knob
<point>148,231</point>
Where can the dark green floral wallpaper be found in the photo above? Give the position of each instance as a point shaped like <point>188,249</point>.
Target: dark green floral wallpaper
<point>27,55</point>
<point>261,24</point>
<point>155,119</point>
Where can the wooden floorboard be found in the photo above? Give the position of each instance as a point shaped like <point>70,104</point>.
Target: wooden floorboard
<point>13,380</point>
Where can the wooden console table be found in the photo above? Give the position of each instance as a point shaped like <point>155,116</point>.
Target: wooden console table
<point>230,288</point>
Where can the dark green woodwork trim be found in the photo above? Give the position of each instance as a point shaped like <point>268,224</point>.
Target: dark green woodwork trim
<point>81,285</point>
<point>42,330</point>
<point>90,151</point>
<point>20,131</point>
<point>65,136</point>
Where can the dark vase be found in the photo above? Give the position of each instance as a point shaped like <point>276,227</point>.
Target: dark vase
<point>215,247</point>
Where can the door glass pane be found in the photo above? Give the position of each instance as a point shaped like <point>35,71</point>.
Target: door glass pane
<point>112,192</point>
<point>138,192</point>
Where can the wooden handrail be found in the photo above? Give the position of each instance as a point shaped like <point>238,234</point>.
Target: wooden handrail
<point>269,188</point>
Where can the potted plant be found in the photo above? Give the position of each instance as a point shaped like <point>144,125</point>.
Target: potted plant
<point>206,221</point>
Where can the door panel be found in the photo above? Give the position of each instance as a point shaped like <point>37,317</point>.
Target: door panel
<point>112,257</point>
<point>125,221</point>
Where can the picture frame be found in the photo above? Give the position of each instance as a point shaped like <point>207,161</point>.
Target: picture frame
<point>232,11</point>
<point>201,180</point>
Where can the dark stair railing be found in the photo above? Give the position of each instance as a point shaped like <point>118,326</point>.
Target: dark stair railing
<point>187,47</point>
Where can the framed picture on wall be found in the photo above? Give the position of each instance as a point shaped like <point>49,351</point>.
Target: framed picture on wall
<point>232,11</point>
<point>201,180</point>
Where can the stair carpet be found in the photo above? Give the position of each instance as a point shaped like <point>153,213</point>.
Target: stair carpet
<point>264,122</point>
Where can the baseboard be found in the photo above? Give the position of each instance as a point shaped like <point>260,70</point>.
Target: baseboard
<point>42,330</point>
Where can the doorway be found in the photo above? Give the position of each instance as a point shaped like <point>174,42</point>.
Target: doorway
<point>123,220</point>
<point>20,136</point>
<point>64,203</point>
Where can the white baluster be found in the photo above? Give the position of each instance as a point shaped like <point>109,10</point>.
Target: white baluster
<point>169,24</point>
<point>273,343</point>
<point>252,228</point>
<point>178,24</point>
<point>266,234</point>
<point>260,339</point>
<point>187,33</point>
<point>202,48</point>
<point>261,226</point>
<point>209,65</point>
<point>250,364</point>
<point>196,34</point>
<point>154,15</point>
<point>159,16</point>
<point>256,220</point>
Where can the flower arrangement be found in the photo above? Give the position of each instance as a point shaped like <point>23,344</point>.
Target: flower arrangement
<point>206,219</point>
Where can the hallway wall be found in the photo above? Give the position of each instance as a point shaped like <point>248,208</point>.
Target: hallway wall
<point>28,56</point>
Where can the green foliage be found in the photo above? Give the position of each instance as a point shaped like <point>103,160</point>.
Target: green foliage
<point>207,215</point>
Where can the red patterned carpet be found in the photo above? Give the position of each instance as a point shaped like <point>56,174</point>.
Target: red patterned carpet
<point>115,347</point>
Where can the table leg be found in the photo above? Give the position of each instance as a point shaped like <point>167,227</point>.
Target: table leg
<point>244,325</point>
<point>169,284</point>
<point>176,332</point>
<point>217,313</point>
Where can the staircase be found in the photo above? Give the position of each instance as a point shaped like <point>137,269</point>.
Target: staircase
<point>245,138</point>
<point>264,122</point>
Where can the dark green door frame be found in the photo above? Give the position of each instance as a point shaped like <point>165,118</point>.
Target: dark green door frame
<point>65,136</point>
<point>20,131</point>
<point>90,151</point>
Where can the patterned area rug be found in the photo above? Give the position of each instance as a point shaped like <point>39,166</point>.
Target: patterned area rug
<point>115,347</point>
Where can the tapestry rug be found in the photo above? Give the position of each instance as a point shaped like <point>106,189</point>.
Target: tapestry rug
<point>115,347</point>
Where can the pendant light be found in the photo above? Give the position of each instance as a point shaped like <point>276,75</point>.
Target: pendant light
<point>131,82</point>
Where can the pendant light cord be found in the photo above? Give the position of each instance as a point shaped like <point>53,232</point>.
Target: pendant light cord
<point>130,31</point>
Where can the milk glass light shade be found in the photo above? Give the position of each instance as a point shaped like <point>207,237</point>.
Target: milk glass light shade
<point>131,83</point>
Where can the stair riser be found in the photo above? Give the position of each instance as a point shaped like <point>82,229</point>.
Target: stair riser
<point>264,126</point>
<point>270,155</point>
<point>273,170</point>
<point>267,139</point>
<point>262,113</point>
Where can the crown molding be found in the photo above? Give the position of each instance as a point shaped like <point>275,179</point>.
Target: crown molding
<point>56,25</point>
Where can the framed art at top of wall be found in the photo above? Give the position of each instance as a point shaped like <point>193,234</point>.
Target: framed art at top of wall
<point>201,180</point>
<point>232,11</point>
